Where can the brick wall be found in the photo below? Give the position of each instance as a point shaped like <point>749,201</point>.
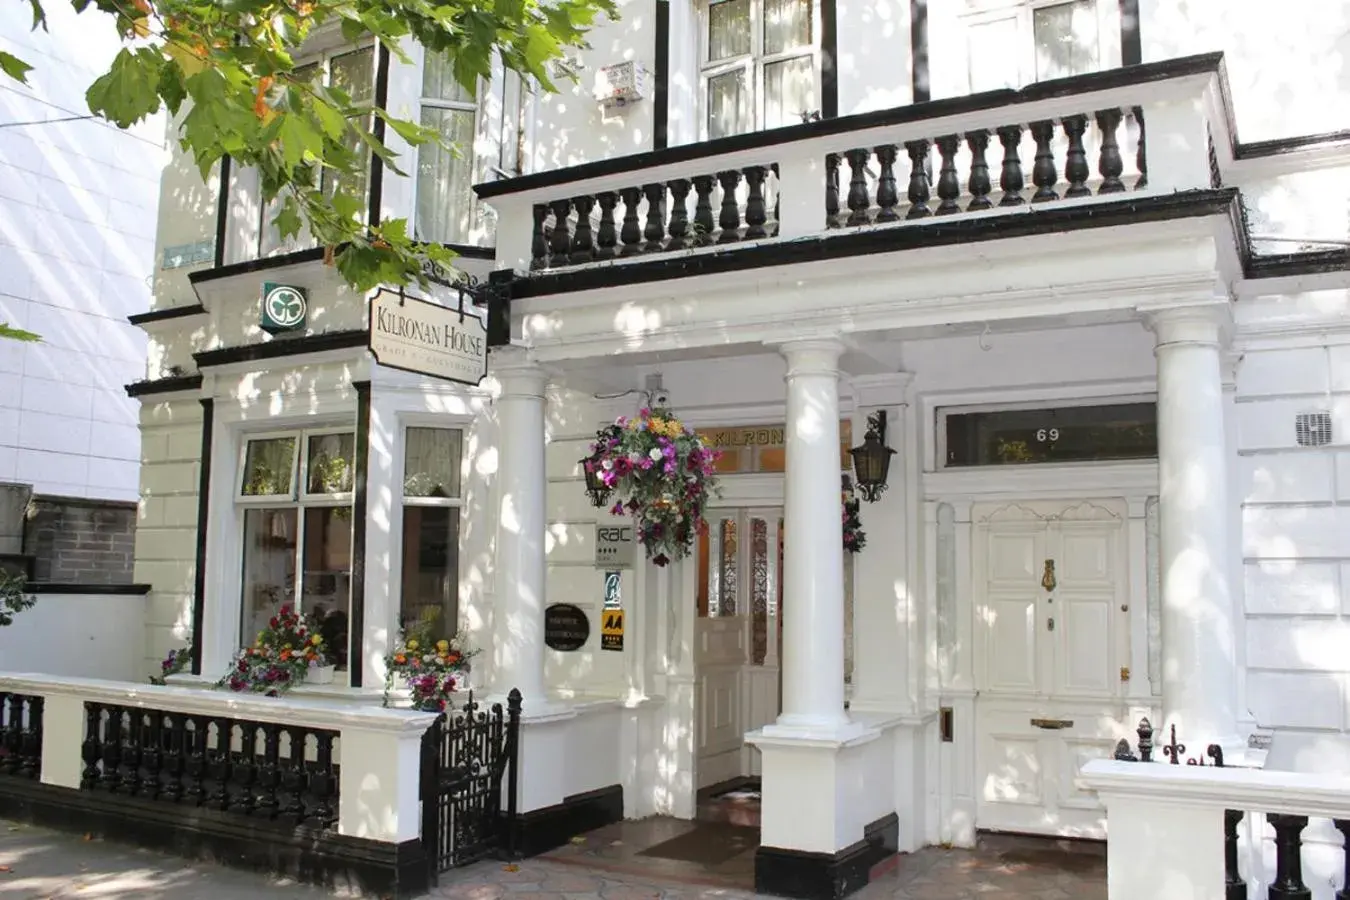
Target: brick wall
<point>78,541</point>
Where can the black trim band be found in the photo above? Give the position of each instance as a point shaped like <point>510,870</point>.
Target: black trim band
<point>826,876</point>
<point>309,254</point>
<point>1312,262</point>
<point>376,180</point>
<point>172,385</point>
<point>661,77</point>
<point>59,587</point>
<point>203,518</point>
<point>1046,220</point>
<point>164,315</point>
<point>1280,146</point>
<point>281,348</point>
<point>374,868</point>
<point>541,830</point>
<point>919,79</point>
<point>829,60</point>
<point>1131,46</point>
<point>900,115</point>
<point>222,211</point>
<point>356,619</point>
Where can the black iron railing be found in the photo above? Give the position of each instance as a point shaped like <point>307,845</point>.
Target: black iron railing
<point>263,770</point>
<point>20,735</point>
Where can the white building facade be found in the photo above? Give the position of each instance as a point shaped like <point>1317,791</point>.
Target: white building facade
<point>1080,257</point>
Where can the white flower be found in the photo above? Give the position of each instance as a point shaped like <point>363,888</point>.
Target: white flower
<point>635,457</point>
<point>655,454</point>
<point>607,464</point>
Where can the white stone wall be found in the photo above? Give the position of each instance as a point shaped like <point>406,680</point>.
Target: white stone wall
<point>77,242</point>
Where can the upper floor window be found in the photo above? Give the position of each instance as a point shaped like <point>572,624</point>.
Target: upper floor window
<point>1013,44</point>
<point>761,64</point>
<point>432,497</point>
<point>446,207</point>
<point>352,71</point>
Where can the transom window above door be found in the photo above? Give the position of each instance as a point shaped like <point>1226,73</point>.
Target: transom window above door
<point>760,64</point>
<point>1009,45</point>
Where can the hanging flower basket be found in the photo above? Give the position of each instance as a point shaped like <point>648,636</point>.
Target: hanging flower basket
<point>661,474</point>
<point>854,537</point>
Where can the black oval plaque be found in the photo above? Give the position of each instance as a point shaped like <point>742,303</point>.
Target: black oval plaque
<point>566,627</point>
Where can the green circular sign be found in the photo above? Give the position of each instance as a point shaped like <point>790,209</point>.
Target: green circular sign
<point>285,306</point>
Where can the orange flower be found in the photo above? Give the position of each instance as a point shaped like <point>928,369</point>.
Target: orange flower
<point>400,658</point>
<point>285,655</point>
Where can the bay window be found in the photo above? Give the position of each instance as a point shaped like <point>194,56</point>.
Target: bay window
<point>1009,45</point>
<point>432,483</point>
<point>446,208</point>
<point>295,498</point>
<point>761,64</point>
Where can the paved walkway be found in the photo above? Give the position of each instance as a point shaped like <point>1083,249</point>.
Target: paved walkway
<point>36,864</point>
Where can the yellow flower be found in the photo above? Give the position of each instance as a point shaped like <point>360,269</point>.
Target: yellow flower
<point>657,425</point>
<point>316,640</point>
<point>412,645</point>
<point>442,646</point>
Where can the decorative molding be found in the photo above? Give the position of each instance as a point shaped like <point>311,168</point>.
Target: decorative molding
<point>1013,512</point>
<point>282,348</point>
<point>1086,511</point>
<point>1044,481</point>
<point>175,384</point>
<point>167,314</point>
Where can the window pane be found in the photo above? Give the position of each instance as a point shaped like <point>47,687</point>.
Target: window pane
<point>330,463</point>
<point>1066,39</point>
<point>269,568</point>
<point>789,91</point>
<point>728,29</point>
<point>431,463</point>
<point>438,80</point>
<point>991,47</point>
<point>787,24</point>
<point>269,468</point>
<point>430,569</point>
<point>327,581</point>
<point>354,73</point>
<point>728,105</point>
<point>445,178</point>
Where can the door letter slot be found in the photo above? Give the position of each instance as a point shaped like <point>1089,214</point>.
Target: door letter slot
<point>1052,724</point>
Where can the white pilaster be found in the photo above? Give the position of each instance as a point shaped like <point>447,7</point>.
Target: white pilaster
<point>518,616</point>
<point>1199,653</point>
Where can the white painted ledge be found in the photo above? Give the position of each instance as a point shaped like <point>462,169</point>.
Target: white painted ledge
<point>771,736</point>
<point>1207,787</point>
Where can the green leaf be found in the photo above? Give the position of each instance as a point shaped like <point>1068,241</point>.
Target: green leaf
<point>18,334</point>
<point>129,91</point>
<point>300,140</point>
<point>14,67</point>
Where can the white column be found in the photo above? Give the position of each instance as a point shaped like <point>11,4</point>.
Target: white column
<point>813,552</point>
<point>1199,658</point>
<point>518,613</point>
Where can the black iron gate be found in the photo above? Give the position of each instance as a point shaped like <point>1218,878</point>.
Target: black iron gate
<point>466,755</point>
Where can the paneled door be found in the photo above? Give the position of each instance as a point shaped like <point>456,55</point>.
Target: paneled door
<point>736,638</point>
<point>1050,637</point>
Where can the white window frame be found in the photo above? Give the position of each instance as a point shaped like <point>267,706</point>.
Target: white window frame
<point>753,62</point>
<point>407,424</point>
<point>266,212</point>
<point>983,12</point>
<point>468,157</point>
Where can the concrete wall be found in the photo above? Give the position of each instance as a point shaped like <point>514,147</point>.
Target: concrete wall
<point>77,235</point>
<point>79,636</point>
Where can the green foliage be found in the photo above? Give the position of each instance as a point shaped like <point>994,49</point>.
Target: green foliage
<point>17,334</point>
<point>13,598</point>
<point>226,69</point>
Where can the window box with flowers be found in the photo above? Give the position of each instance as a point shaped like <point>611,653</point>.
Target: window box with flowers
<point>432,670</point>
<point>289,650</point>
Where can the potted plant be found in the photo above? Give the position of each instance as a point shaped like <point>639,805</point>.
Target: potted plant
<point>433,669</point>
<point>289,650</point>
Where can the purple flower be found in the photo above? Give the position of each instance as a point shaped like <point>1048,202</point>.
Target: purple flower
<point>617,510</point>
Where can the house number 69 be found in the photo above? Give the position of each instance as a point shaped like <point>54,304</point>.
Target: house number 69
<point>1047,434</point>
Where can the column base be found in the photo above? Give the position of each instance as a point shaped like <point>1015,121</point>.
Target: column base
<point>827,876</point>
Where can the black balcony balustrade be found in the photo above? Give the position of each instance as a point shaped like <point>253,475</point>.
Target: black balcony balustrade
<point>20,736</point>
<point>261,770</point>
<point>1057,150</point>
<point>729,207</point>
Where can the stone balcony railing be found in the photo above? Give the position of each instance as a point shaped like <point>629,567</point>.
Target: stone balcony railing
<point>1108,137</point>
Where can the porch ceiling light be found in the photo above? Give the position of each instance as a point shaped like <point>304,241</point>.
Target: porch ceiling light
<point>595,485</point>
<point>872,460</point>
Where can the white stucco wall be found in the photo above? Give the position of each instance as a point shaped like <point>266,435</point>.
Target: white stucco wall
<point>77,239</point>
<point>79,636</point>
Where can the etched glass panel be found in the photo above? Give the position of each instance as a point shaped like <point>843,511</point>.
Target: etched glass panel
<point>728,580</point>
<point>759,589</point>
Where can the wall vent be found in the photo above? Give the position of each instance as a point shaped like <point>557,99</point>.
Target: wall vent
<point>1313,429</point>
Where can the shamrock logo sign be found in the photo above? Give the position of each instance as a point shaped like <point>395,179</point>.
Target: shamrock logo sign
<point>283,307</point>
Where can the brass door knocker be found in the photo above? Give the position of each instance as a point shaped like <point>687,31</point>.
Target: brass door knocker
<point>1048,579</point>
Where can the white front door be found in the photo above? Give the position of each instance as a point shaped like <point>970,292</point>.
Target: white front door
<point>736,639</point>
<point>1051,635</point>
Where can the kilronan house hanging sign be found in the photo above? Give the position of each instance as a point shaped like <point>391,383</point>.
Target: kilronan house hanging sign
<point>427,338</point>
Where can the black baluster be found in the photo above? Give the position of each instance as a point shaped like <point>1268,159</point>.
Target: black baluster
<point>607,238</point>
<point>323,784</point>
<point>1288,883</point>
<point>244,770</point>
<point>293,785</point>
<point>13,733</point>
<point>1234,887</point>
<point>175,757</point>
<point>560,242</point>
<point>1076,170</point>
<point>1010,179</point>
<point>583,241</point>
<point>1109,163</point>
<point>1140,154</point>
<point>729,219</point>
<point>918,180</point>
<point>1043,171</point>
<point>538,243</point>
<point>703,216</point>
<point>219,765</point>
<point>777,196</point>
<point>679,213</point>
<point>91,751</point>
<point>858,201</point>
<point>756,213</point>
<point>32,740</point>
<point>111,749</point>
<point>979,184</point>
<point>831,190</point>
<point>152,755</point>
<point>1343,826</point>
<point>129,765</point>
<point>1145,732</point>
<point>269,772</point>
<point>949,183</point>
<point>631,234</point>
<point>194,769</point>
<point>888,195</point>
<point>655,231</point>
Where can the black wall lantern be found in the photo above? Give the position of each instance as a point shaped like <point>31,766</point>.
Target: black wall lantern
<point>872,461</point>
<point>595,485</point>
